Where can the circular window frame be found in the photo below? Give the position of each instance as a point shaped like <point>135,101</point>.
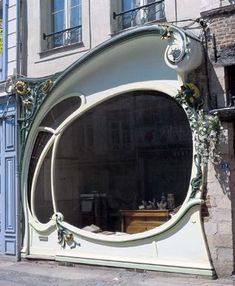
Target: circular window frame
<point>87,103</point>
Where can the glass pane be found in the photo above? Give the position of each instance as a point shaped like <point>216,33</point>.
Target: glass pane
<point>40,143</point>
<point>156,11</point>
<point>58,26</point>
<point>129,19</point>
<point>58,5</point>
<point>75,35</point>
<point>151,11</point>
<point>75,17</point>
<point>129,4</point>
<point>43,206</point>
<point>75,3</point>
<point>43,200</point>
<point>123,154</point>
<point>61,111</point>
<point>58,21</point>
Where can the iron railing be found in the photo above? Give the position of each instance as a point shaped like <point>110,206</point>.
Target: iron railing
<point>153,11</point>
<point>63,38</point>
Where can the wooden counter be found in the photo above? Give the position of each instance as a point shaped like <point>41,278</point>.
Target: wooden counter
<point>134,221</point>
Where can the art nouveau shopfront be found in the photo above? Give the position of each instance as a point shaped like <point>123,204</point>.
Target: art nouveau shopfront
<point>110,173</point>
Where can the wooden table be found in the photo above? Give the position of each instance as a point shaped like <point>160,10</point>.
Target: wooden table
<point>134,221</point>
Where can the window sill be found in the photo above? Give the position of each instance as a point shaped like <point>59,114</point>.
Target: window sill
<point>62,49</point>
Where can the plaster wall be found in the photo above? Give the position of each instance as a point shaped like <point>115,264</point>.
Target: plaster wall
<point>181,10</point>
<point>97,24</point>
<point>12,37</point>
<point>95,29</point>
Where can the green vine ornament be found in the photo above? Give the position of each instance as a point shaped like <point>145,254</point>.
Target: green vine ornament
<point>207,132</point>
<point>65,237</point>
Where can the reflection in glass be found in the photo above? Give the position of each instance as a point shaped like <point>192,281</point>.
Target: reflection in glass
<point>40,143</point>
<point>133,148</point>
<point>61,111</point>
<point>43,202</point>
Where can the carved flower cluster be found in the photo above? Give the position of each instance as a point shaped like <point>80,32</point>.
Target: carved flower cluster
<point>208,136</point>
<point>207,129</point>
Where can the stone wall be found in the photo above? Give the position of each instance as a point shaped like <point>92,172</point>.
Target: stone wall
<point>221,34</point>
<point>219,209</point>
<point>217,213</point>
<point>220,39</point>
<point>220,202</point>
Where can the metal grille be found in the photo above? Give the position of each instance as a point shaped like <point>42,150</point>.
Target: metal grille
<point>153,11</point>
<point>63,38</point>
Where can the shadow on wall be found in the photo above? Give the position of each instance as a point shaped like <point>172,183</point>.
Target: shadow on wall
<point>209,85</point>
<point>215,90</point>
<point>207,80</point>
<point>222,171</point>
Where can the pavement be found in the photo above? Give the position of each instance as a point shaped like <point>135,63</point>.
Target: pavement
<point>45,273</point>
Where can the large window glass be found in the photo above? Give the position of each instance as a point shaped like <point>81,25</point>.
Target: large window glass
<point>130,156</point>
<point>122,167</point>
<point>42,199</point>
<point>60,112</point>
<point>40,195</point>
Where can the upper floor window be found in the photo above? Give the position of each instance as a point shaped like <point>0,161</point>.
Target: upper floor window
<point>66,23</point>
<point>138,12</point>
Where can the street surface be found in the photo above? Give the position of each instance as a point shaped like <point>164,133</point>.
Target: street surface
<point>44,273</point>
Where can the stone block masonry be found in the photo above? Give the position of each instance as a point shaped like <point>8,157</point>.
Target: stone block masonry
<point>218,222</point>
<point>221,34</point>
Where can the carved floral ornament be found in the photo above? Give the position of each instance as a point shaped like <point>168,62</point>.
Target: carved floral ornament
<point>207,129</point>
<point>65,237</point>
<point>208,133</point>
<point>31,93</point>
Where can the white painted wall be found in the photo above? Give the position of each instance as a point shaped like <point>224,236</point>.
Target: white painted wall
<point>96,21</point>
<point>96,29</point>
<point>182,10</point>
<point>12,37</point>
<point>213,4</point>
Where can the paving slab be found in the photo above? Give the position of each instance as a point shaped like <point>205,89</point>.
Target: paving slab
<point>45,273</point>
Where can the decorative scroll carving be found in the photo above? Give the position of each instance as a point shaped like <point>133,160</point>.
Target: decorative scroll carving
<point>184,52</point>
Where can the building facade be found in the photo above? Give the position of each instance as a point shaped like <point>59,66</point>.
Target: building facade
<point>9,195</point>
<point>117,120</point>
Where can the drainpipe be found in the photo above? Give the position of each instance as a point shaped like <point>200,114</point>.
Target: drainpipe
<point>176,12</point>
<point>18,173</point>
